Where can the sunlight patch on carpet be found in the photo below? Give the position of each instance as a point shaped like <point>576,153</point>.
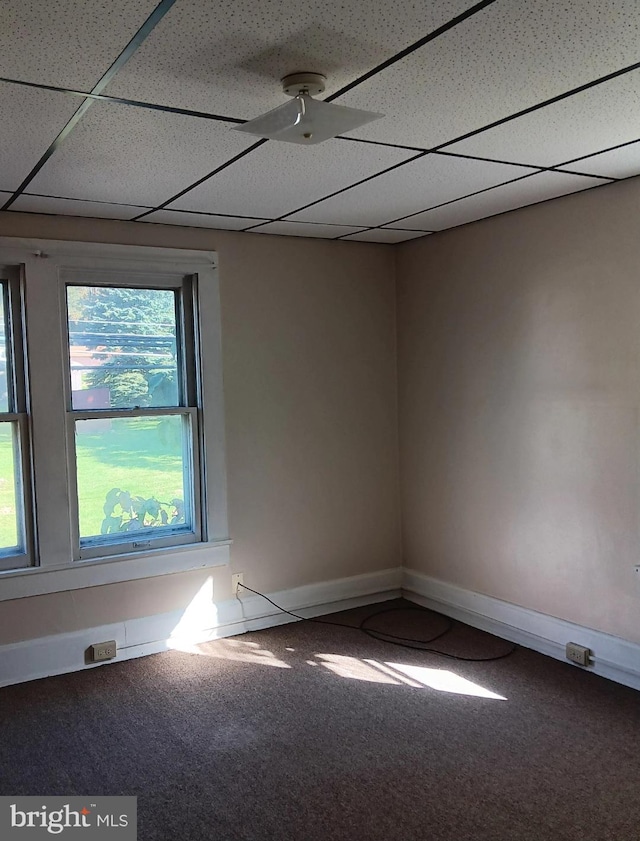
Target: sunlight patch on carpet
<point>355,669</point>
<point>444,681</point>
<point>400,674</point>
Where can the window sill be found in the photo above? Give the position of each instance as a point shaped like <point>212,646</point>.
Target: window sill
<point>38,581</point>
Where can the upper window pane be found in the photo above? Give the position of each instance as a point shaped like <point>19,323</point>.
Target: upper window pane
<point>4,363</point>
<point>122,347</point>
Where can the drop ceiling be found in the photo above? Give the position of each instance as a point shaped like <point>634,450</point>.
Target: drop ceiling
<point>124,109</point>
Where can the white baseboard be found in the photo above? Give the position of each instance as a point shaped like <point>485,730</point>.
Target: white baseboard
<point>205,620</point>
<point>613,657</point>
<point>202,621</point>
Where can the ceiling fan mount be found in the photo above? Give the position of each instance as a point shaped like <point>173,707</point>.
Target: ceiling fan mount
<point>306,120</point>
<point>313,84</point>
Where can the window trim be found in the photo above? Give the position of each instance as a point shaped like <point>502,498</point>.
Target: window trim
<point>41,261</point>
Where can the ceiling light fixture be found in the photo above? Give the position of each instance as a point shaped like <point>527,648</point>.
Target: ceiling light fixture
<point>306,120</point>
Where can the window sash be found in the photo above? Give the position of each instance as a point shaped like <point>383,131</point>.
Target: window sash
<point>21,556</point>
<point>11,289</point>
<point>99,546</point>
<point>14,332</point>
<point>189,395</point>
<point>185,288</point>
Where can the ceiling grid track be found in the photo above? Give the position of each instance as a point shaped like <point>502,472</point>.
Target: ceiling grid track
<point>451,24</point>
<point>119,100</point>
<point>586,86</point>
<point>435,150</point>
<point>147,27</point>
<point>222,167</point>
<point>379,68</point>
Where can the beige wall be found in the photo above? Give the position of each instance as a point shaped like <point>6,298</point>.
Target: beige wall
<point>310,399</point>
<point>519,393</point>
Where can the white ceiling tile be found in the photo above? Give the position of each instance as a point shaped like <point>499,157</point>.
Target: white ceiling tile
<point>278,178</point>
<point>536,188</point>
<point>298,229</point>
<point>64,42</point>
<point>73,207</point>
<point>505,58</point>
<point>200,220</point>
<point>419,184</point>
<point>617,163</point>
<point>30,120</point>
<point>587,122</point>
<point>387,235</point>
<point>135,156</point>
<point>228,57</point>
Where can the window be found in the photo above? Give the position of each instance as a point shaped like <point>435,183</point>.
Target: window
<point>15,531</point>
<point>132,418</point>
<point>111,415</point>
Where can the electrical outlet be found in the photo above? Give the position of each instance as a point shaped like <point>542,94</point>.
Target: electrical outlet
<point>578,653</point>
<point>237,578</point>
<point>104,651</point>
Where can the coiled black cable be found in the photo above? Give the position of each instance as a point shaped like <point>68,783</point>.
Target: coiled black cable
<point>384,636</point>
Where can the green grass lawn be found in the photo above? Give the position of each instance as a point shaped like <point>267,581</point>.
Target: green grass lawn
<point>140,455</point>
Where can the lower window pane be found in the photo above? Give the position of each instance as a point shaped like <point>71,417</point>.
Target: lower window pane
<point>9,520</point>
<point>133,477</point>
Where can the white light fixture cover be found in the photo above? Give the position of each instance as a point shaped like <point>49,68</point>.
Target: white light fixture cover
<point>307,121</point>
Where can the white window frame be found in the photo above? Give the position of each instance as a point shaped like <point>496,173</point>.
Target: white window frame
<point>44,265</point>
<point>188,408</point>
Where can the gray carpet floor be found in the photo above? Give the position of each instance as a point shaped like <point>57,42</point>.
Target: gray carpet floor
<point>306,732</point>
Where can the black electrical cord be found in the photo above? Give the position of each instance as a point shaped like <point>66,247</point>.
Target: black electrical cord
<point>384,636</point>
